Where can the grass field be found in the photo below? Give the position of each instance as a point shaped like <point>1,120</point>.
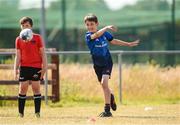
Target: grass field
<point>140,84</point>
<point>151,95</point>
<point>125,115</point>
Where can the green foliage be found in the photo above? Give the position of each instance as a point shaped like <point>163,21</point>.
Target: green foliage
<point>3,93</point>
<point>71,95</point>
<point>9,61</point>
<point>149,5</point>
<point>143,12</point>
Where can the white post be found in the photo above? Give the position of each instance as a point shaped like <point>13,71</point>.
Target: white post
<point>120,76</point>
<point>46,88</point>
<point>43,34</point>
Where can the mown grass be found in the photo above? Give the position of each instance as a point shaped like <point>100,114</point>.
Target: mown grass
<point>81,115</point>
<point>141,84</point>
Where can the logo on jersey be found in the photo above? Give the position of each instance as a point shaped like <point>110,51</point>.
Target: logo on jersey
<point>103,44</point>
<point>35,76</point>
<point>21,78</point>
<point>33,41</point>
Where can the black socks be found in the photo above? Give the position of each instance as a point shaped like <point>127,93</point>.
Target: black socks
<point>107,108</point>
<point>37,103</point>
<point>21,103</point>
<point>22,100</point>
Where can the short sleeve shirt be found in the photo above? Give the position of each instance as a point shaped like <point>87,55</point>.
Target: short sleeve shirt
<point>30,51</point>
<point>99,48</point>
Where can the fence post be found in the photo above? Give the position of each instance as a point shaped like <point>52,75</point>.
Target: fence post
<point>46,88</point>
<point>120,76</point>
<point>55,79</point>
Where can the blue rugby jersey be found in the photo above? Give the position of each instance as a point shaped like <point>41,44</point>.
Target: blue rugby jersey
<point>99,48</point>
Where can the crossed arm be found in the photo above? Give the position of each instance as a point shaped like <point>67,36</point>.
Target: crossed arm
<point>114,41</point>
<point>101,31</point>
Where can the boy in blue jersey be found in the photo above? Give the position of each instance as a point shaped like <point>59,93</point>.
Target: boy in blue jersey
<point>97,41</point>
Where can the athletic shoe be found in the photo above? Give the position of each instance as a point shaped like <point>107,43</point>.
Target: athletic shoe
<point>37,115</point>
<point>20,115</point>
<point>113,103</point>
<point>105,114</point>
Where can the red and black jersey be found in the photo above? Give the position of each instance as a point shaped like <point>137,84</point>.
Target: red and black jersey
<point>30,51</point>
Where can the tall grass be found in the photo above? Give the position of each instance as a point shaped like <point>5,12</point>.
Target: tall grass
<point>140,84</point>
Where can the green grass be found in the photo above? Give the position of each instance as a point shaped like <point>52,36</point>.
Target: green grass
<point>141,84</point>
<point>83,115</point>
<point>144,87</point>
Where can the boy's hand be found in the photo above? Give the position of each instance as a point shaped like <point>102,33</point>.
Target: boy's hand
<point>16,74</point>
<point>42,71</point>
<point>111,27</point>
<point>134,43</point>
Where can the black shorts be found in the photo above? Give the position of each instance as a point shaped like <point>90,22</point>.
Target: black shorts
<point>29,73</point>
<point>102,70</point>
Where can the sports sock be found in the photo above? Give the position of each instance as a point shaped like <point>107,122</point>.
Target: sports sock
<point>107,108</point>
<point>37,102</point>
<point>21,103</point>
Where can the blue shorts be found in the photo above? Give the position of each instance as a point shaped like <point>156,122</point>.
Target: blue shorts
<point>29,73</point>
<point>103,70</point>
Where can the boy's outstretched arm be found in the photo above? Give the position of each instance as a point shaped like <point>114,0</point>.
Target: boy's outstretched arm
<point>123,43</point>
<point>101,31</point>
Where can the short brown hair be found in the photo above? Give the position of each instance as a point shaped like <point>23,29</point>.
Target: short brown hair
<point>26,19</point>
<point>91,17</point>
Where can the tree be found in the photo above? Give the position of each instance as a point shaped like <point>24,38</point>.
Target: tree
<point>149,5</point>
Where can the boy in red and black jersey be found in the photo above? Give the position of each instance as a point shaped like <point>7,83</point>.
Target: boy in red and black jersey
<point>30,66</point>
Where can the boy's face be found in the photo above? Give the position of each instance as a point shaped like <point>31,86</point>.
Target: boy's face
<point>91,26</point>
<point>26,25</point>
